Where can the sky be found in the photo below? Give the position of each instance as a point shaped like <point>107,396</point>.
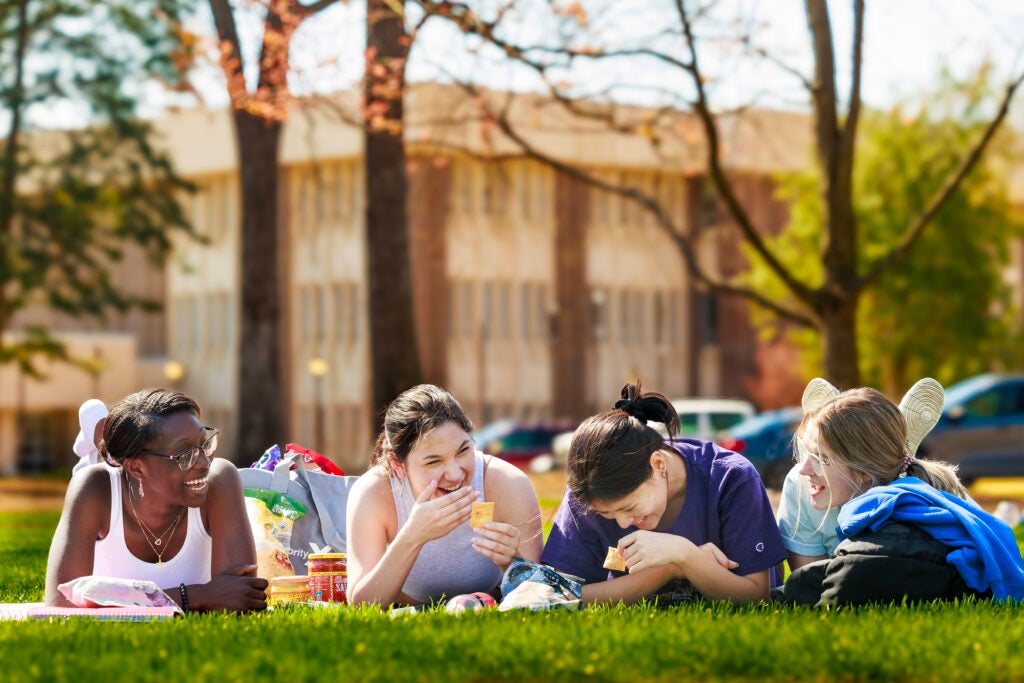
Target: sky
<point>906,44</point>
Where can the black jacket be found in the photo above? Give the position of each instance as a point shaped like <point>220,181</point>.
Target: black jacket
<point>898,561</point>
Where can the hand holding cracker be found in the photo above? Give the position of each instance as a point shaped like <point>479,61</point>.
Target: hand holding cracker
<point>615,560</point>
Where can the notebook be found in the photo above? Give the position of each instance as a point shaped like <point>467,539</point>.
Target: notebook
<point>103,613</point>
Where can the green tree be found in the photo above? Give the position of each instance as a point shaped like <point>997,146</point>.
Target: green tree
<point>71,200</point>
<point>946,310</point>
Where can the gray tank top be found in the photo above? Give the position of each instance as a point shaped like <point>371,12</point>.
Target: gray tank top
<point>448,565</point>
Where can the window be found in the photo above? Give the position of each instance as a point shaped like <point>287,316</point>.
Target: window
<point>319,313</point>
<point>467,309</point>
<point>523,190</point>
<point>544,324</point>
<point>525,312</point>
<point>355,313</point>
<point>708,318</point>
<point>504,304</point>
<point>624,316</point>
<point>640,317</point>
<point>486,310</point>
<point>660,317</point>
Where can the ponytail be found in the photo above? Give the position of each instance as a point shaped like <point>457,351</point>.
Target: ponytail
<point>940,475</point>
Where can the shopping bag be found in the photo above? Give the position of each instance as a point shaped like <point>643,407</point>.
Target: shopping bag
<point>322,528</point>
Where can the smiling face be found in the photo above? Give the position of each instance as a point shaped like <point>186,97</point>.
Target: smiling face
<point>831,483</point>
<point>445,454</point>
<point>178,432</point>
<point>644,507</point>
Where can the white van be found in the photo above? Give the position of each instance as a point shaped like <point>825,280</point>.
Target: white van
<point>709,418</point>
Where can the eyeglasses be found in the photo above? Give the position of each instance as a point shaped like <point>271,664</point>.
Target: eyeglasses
<point>818,462</point>
<point>187,458</point>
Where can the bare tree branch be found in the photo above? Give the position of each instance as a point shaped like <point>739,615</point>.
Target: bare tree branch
<point>918,225</point>
<point>718,176</point>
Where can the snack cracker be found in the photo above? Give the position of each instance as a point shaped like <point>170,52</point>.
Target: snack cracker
<point>615,560</point>
<point>482,513</point>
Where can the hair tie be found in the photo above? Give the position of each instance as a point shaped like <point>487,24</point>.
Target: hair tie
<point>629,407</point>
<point>907,459</point>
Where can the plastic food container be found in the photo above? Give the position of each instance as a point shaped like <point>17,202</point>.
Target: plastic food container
<point>328,577</point>
<point>286,589</point>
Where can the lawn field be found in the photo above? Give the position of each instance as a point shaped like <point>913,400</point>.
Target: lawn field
<point>717,642</point>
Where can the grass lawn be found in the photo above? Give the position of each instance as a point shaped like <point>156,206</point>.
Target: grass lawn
<point>713,642</point>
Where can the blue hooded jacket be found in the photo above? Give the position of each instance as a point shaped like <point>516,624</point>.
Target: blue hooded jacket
<point>982,547</point>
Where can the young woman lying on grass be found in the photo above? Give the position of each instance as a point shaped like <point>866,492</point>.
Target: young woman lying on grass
<point>163,510</point>
<point>409,537</point>
<point>689,518</point>
<point>905,526</point>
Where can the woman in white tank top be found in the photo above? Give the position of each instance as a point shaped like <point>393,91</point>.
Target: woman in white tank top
<point>409,534</point>
<point>163,510</point>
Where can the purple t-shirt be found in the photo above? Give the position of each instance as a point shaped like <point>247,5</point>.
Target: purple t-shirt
<point>726,504</point>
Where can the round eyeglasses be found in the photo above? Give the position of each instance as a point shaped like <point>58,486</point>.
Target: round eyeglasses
<point>818,462</point>
<point>187,458</point>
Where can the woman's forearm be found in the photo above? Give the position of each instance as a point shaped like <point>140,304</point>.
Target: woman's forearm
<point>383,583</point>
<point>715,582</point>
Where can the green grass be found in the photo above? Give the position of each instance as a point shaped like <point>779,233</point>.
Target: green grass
<point>970,642</point>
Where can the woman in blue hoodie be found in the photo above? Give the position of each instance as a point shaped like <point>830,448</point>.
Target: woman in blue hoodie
<point>906,526</point>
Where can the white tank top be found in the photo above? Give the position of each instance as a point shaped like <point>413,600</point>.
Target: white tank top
<point>446,566</point>
<point>190,565</point>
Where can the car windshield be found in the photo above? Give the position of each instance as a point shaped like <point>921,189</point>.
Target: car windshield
<point>753,425</point>
<point>967,389</point>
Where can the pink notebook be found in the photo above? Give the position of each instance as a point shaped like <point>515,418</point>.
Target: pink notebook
<point>103,613</point>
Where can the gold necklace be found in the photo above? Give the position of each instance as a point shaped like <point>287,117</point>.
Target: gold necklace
<point>146,532</point>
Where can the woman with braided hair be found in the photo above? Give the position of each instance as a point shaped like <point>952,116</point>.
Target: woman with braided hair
<point>689,518</point>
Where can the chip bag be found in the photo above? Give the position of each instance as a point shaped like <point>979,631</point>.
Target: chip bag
<point>271,516</point>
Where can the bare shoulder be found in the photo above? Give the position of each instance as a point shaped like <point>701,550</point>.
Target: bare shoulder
<point>502,478</point>
<point>372,488</point>
<point>87,499</point>
<point>223,472</point>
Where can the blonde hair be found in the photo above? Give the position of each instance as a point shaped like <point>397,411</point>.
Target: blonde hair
<point>867,433</point>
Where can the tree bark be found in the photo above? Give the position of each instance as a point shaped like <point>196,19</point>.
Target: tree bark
<point>394,362</point>
<point>839,341</point>
<point>260,417</point>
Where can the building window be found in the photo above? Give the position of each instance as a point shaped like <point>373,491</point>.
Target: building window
<point>504,304</point>
<point>640,317</point>
<point>624,317</point>
<point>523,191</point>
<point>543,326</point>
<point>525,312</point>
<point>319,313</point>
<point>708,318</point>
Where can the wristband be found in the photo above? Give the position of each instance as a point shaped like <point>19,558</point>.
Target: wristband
<point>184,599</point>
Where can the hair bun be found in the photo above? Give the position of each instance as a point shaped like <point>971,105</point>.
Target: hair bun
<point>649,406</point>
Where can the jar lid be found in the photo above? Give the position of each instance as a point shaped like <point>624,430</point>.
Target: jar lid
<point>325,556</point>
<point>289,581</point>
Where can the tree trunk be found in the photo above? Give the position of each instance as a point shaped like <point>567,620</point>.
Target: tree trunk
<point>261,419</point>
<point>393,350</point>
<point>839,338</point>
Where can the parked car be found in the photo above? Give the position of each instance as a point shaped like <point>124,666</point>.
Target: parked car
<point>982,427</point>
<point>709,418</point>
<point>766,440</point>
<point>525,445</point>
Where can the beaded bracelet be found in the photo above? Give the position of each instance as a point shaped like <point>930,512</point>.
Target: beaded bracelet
<point>184,599</point>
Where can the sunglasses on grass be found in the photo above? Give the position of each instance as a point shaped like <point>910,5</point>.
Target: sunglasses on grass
<point>187,458</point>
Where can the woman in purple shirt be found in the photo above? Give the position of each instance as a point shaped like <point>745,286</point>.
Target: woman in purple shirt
<point>689,518</point>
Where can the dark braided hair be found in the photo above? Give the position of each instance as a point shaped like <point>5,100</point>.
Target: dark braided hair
<point>135,421</point>
<point>610,453</point>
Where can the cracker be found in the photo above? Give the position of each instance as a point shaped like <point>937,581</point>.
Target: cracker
<point>615,560</point>
<point>481,514</point>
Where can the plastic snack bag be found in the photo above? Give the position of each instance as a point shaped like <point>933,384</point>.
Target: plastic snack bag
<point>107,591</point>
<point>271,516</point>
<point>312,460</point>
<point>535,586</point>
